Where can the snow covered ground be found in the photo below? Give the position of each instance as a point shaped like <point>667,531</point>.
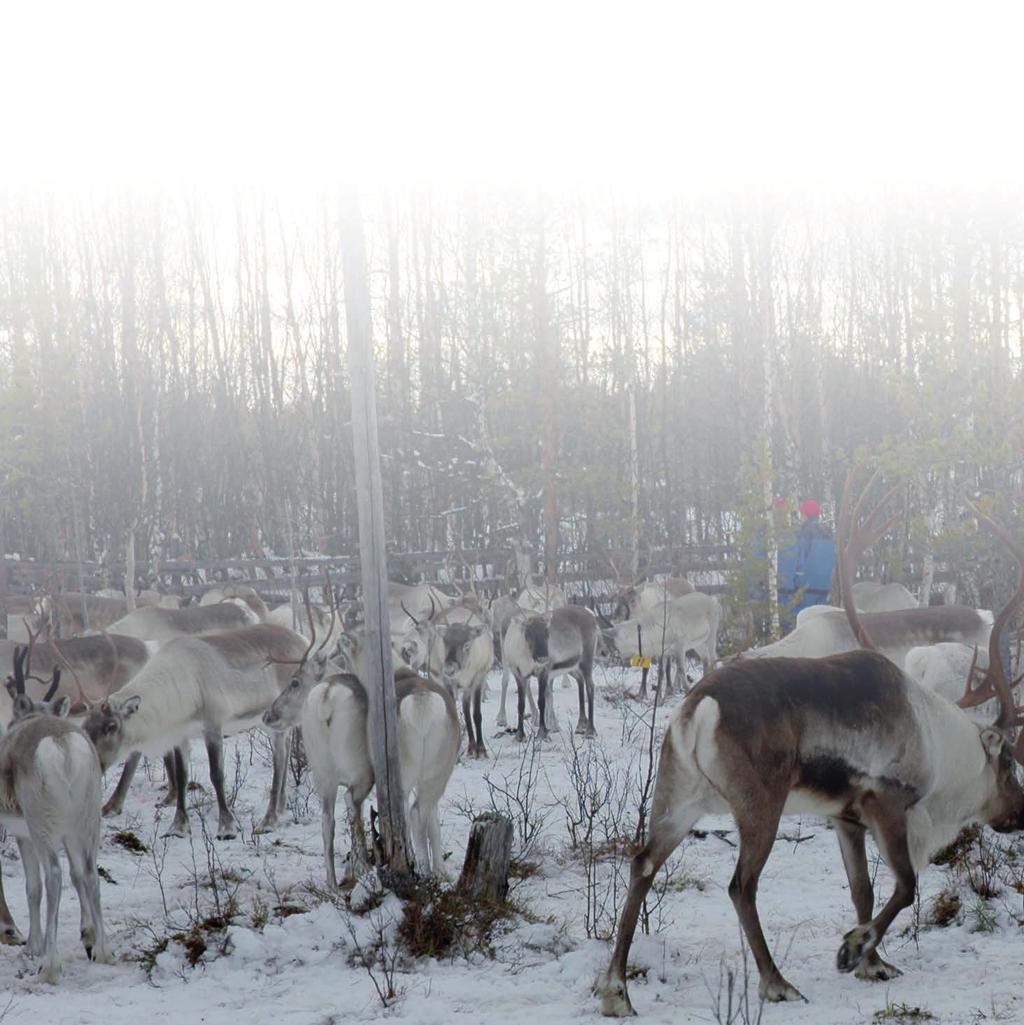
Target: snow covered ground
<point>302,967</point>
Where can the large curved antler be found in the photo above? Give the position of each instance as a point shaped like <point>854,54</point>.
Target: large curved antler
<point>996,677</point>
<point>853,536</point>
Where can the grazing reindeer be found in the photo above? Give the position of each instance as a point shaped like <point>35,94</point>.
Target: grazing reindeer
<point>332,709</point>
<point>948,670</point>
<point>564,641</point>
<point>161,625</point>
<point>50,789</point>
<point>688,623</point>
<point>849,736</point>
<point>202,686</point>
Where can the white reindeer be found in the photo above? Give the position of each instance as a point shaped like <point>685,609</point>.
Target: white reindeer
<point>672,628</point>
<point>871,596</point>
<point>50,790</point>
<point>202,687</point>
<point>332,709</point>
<point>238,593</point>
<point>161,625</point>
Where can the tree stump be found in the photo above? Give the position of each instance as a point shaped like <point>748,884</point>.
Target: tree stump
<point>488,854</point>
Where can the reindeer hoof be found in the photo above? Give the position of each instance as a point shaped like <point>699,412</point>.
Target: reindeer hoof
<point>179,828</point>
<point>10,937</point>
<point>585,729</point>
<point>50,974</point>
<point>874,969</point>
<point>854,947</point>
<point>111,808</point>
<point>778,990</point>
<point>614,999</point>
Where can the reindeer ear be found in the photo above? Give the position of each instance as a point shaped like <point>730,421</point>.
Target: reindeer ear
<point>61,707</point>
<point>992,741</point>
<point>22,706</point>
<point>130,706</point>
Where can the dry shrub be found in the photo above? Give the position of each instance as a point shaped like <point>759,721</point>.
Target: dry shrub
<point>440,921</point>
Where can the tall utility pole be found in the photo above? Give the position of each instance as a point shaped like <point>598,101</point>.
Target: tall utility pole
<point>378,673</point>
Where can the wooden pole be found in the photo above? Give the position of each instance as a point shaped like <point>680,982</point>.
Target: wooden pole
<point>396,873</point>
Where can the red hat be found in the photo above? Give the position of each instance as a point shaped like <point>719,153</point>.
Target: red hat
<point>810,507</point>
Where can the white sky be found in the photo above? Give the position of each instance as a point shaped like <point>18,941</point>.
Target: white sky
<point>650,95</point>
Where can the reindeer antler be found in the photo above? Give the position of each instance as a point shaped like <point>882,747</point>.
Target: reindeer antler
<point>996,677</point>
<point>854,535</point>
<point>60,657</point>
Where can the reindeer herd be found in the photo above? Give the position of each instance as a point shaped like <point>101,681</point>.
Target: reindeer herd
<point>857,715</point>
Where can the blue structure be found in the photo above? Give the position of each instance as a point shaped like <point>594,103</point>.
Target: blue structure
<point>805,575</point>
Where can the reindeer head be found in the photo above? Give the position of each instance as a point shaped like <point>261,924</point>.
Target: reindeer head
<point>458,640</point>
<point>105,727</point>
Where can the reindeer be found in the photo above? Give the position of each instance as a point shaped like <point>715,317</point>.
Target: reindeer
<point>202,686</point>
<point>332,709</point>
<point>238,593</point>
<point>161,625</point>
<point>415,601</point>
<point>671,629</point>
<point>542,597</point>
<point>849,736</point>
<point>50,789</point>
<point>631,600</point>
<point>563,641</point>
<point>64,612</point>
<point>871,596</point>
<point>93,667</point>
<point>468,657</point>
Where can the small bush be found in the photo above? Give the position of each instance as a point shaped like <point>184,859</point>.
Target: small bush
<point>945,908</point>
<point>903,1013</point>
<point>438,921</point>
<point>129,841</point>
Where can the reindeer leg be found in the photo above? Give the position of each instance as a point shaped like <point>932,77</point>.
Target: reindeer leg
<point>359,858</point>
<point>855,859</point>
<point>280,742</point>
<point>672,818</point>
<point>327,829</point>
<point>171,797</point>
<point>502,720</point>
<point>180,826</point>
<point>50,971</point>
<point>9,934</point>
<point>887,821</point>
<point>757,834</point>
<point>542,700</point>
<point>521,687</point>
<point>33,893</point>
<point>115,803</point>
<point>467,719</point>
<point>227,827</point>
<point>481,751</point>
